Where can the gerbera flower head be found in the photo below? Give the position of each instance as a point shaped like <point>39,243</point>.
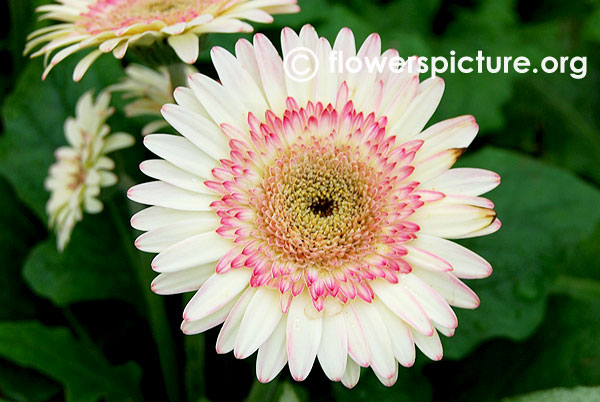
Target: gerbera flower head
<point>313,218</point>
<point>150,89</point>
<point>114,25</point>
<point>82,167</point>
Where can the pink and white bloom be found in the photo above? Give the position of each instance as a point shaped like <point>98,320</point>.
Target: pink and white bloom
<point>82,168</point>
<point>150,89</point>
<point>115,25</point>
<point>312,218</point>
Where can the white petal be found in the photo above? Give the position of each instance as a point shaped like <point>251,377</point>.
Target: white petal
<point>445,331</point>
<point>357,344</point>
<point>465,263</point>
<point>261,317</point>
<point>458,132</point>
<point>420,109</point>
<point>245,54</point>
<point>187,100</point>
<point>121,49</point>
<point>174,29</point>
<point>309,36</point>
<point>92,205</point>
<point>186,46</point>
<point>181,153</point>
<point>238,80</point>
<point>272,355</point>
<point>450,288</point>
<point>397,298</point>
<point>165,195</point>
<point>198,129</point>
<point>208,322</point>
<point>196,250</point>
<point>333,351</point>
<point>492,228</point>
<point>388,381</point>
<point>352,374</point>
<point>271,71</point>
<point>229,331</point>
<point>435,165</point>
<point>118,141</point>
<point>298,85</point>
<point>58,57</point>
<point>154,126</point>
<point>156,217</point>
<point>303,337</point>
<point>431,346</point>
<point>345,47</point>
<point>451,221</point>
<point>216,292</point>
<point>400,334</point>
<point>325,82</point>
<point>430,301</point>
<point>467,200</point>
<point>369,53</point>
<point>222,105</point>
<point>84,64</point>
<point>165,171</point>
<point>182,281</point>
<point>225,25</point>
<point>425,259</point>
<point>108,179</point>
<point>397,101</point>
<point>378,339</point>
<point>156,240</point>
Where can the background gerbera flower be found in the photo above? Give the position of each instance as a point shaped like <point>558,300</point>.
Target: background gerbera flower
<point>82,168</point>
<point>114,25</point>
<point>150,89</point>
<point>313,217</point>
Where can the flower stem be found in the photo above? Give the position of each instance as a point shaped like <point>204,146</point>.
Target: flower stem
<point>262,392</point>
<point>157,316</point>
<point>578,288</point>
<point>195,351</point>
<point>178,75</point>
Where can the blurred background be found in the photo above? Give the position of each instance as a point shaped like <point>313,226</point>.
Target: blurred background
<point>77,326</point>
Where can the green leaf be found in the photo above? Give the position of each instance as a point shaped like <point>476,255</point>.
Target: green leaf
<point>19,230</point>
<point>564,352</point>
<point>25,385</point>
<point>545,211</point>
<point>578,394</point>
<point>84,372</point>
<point>411,386</point>
<point>92,267</point>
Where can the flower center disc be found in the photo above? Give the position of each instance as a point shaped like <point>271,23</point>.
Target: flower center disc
<point>111,15</point>
<point>316,205</point>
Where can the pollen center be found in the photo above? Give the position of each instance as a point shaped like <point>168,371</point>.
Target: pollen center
<point>322,207</point>
<point>316,205</point>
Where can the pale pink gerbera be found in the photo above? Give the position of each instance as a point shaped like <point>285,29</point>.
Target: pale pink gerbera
<point>114,25</point>
<point>313,217</point>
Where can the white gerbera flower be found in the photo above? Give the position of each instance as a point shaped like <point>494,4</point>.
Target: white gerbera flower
<point>312,217</point>
<point>114,25</point>
<point>151,89</point>
<point>82,168</point>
